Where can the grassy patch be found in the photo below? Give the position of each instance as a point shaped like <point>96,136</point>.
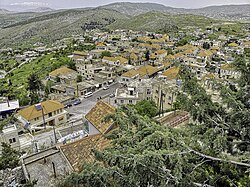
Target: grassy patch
<point>41,66</point>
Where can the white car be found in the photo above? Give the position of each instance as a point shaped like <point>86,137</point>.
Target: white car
<point>89,94</point>
<point>105,88</point>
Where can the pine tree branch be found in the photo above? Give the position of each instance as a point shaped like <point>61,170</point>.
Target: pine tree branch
<point>202,185</point>
<point>219,159</point>
<point>199,165</point>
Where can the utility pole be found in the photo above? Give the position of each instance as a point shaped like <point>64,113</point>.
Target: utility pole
<point>44,123</point>
<point>54,134</point>
<point>54,169</point>
<point>72,127</point>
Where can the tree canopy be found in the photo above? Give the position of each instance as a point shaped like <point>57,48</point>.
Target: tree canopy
<point>105,53</point>
<point>146,108</point>
<point>9,157</point>
<point>213,150</point>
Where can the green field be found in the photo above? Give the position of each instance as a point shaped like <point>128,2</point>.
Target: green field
<point>41,66</point>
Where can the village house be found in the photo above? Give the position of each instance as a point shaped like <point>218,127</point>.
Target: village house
<point>227,71</point>
<point>115,61</point>
<point>64,74</point>
<point>129,76</point>
<point>165,88</point>
<point>81,88</point>
<point>134,92</point>
<point>9,135</point>
<point>96,118</point>
<point>7,108</point>
<point>45,114</point>
<point>105,77</point>
<point>148,71</point>
<point>97,126</point>
<point>82,150</point>
<point>89,68</point>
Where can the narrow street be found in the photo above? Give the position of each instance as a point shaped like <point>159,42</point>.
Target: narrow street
<point>47,139</point>
<point>82,109</point>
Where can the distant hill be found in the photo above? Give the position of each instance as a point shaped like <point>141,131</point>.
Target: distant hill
<point>23,29</point>
<point>230,12</point>
<point>52,26</point>
<point>4,11</point>
<point>40,9</point>
<point>161,22</point>
<point>134,9</point>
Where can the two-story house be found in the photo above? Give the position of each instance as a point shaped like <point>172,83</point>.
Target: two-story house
<point>45,114</point>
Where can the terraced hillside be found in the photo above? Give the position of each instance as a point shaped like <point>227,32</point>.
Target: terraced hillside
<point>25,29</point>
<point>162,22</point>
<point>50,27</point>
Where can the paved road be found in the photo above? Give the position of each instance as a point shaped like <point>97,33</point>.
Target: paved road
<point>87,103</point>
<point>47,139</point>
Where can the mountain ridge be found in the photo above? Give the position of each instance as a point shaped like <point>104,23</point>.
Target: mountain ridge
<point>27,28</point>
<point>230,12</point>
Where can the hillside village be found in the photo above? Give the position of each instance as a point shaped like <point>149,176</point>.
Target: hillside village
<point>120,67</point>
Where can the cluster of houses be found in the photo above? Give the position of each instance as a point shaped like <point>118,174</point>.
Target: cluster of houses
<point>146,65</point>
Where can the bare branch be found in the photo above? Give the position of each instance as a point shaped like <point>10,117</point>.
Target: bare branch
<point>219,159</point>
<point>202,185</point>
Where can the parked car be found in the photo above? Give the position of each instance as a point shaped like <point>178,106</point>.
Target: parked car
<point>112,95</point>
<point>105,87</point>
<point>67,105</point>
<point>77,102</point>
<point>89,94</point>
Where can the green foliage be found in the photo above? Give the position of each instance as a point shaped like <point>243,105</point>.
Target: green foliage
<point>79,78</point>
<point>7,121</point>
<point>170,51</point>
<point>85,47</point>
<point>145,153</point>
<point>214,150</point>
<point>247,51</point>
<point>34,84</point>
<point>72,65</point>
<point>30,183</point>
<point>182,42</point>
<point>146,108</point>
<point>206,45</point>
<point>40,67</point>
<point>105,53</point>
<point>9,157</point>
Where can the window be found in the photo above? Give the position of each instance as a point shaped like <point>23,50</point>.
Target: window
<point>61,118</point>
<point>50,114</point>
<point>54,112</point>
<point>148,91</point>
<point>130,101</point>
<point>13,140</point>
<point>169,98</point>
<point>122,101</point>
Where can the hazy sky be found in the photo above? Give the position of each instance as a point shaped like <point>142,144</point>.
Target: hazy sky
<point>92,3</point>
